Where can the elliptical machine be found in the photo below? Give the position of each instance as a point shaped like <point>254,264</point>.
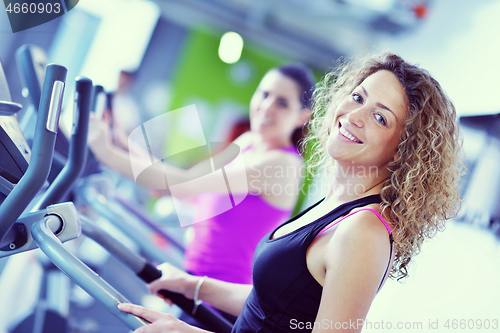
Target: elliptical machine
<point>23,174</point>
<point>22,232</point>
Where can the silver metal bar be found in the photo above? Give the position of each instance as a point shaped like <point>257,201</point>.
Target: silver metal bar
<point>55,106</point>
<point>82,275</point>
<point>76,114</point>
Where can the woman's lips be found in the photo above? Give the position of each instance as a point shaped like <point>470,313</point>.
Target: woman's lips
<point>346,134</point>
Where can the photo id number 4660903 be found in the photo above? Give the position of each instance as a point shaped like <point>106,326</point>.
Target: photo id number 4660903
<point>34,8</point>
<point>476,324</point>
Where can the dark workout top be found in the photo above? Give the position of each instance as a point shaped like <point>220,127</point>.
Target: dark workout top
<point>284,291</point>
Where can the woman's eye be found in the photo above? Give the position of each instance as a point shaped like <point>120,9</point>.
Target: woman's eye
<point>357,98</point>
<point>380,119</point>
<point>265,94</point>
<point>282,104</point>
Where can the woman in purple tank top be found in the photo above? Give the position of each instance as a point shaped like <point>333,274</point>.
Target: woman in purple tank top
<point>222,246</point>
<point>387,138</point>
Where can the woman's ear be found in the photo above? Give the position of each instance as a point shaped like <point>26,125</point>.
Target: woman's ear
<point>304,117</point>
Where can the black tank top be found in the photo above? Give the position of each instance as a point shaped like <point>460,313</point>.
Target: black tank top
<point>284,291</point>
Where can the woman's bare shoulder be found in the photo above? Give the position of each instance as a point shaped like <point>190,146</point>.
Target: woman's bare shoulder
<point>362,229</point>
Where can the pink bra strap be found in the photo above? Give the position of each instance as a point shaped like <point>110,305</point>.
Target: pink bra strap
<point>389,230</point>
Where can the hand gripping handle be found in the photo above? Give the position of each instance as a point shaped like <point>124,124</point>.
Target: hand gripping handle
<point>204,314</point>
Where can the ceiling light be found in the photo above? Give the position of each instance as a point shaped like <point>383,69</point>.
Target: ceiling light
<point>230,47</point>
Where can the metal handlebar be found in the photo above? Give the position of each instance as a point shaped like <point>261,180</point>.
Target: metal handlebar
<point>75,164</point>
<point>148,273</point>
<point>82,275</point>
<point>42,151</point>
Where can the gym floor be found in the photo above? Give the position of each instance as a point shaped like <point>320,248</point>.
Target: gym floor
<point>453,286</point>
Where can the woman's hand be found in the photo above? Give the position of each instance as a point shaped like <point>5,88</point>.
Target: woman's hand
<point>176,280</point>
<point>160,322</point>
<point>225,296</point>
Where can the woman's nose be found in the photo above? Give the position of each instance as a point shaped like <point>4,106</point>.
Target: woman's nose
<point>356,117</point>
<point>267,105</point>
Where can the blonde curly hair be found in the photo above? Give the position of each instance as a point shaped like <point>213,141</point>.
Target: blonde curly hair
<point>423,189</point>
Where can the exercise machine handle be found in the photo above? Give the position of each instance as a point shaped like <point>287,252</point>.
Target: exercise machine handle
<point>148,273</point>
<point>81,274</point>
<point>75,164</point>
<point>42,151</point>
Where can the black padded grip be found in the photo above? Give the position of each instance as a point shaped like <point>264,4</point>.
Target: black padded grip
<point>149,273</point>
<point>204,315</point>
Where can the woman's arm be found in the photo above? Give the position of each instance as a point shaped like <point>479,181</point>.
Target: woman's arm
<point>225,296</point>
<point>355,261</point>
<point>157,174</point>
<point>260,174</point>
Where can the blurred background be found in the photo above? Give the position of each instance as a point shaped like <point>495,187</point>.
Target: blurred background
<point>165,54</point>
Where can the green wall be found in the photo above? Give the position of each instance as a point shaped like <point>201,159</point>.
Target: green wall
<point>201,72</point>
<point>201,75</point>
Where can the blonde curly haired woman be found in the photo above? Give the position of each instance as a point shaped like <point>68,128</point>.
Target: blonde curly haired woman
<point>388,136</point>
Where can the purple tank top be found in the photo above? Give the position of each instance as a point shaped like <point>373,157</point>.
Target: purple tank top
<point>223,246</point>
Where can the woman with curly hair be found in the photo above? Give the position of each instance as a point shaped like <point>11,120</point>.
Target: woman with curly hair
<point>386,135</point>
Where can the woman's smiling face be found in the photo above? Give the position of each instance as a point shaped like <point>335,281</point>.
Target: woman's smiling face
<point>367,123</point>
<point>276,108</point>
